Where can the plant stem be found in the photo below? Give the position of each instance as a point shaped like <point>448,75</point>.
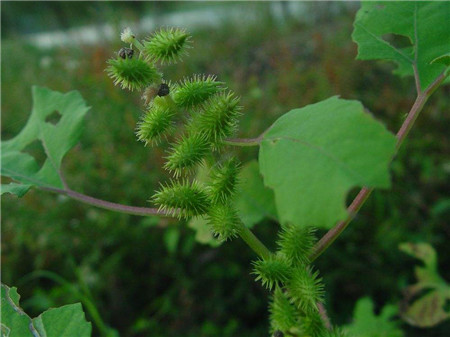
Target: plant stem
<point>323,314</point>
<point>247,141</point>
<point>138,45</point>
<point>243,141</point>
<point>364,193</point>
<point>253,242</point>
<point>333,233</point>
<point>141,211</point>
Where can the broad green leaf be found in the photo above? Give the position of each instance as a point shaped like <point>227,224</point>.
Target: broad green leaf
<point>425,24</point>
<point>254,201</point>
<point>312,157</point>
<point>367,324</point>
<point>424,303</point>
<point>56,140</point>
<point>67,321</point>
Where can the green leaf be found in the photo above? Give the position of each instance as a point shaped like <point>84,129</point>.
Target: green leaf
<point>67,321</point>
<point>17,189</point>
<point>425,24</point>
<point>312,157</point>
<point>253,200</point>
<point>367,324</point>
<point>444,59</point>
<point>56,140</point>
<point>14,321</point>
<point>425,300</point>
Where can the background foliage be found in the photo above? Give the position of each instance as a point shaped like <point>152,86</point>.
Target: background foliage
<point>141,286</point>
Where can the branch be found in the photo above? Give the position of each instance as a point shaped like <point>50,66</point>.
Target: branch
<point>133,210</point>
<point>364,193</point>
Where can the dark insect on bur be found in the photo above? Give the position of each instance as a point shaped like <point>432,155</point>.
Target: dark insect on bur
<point>278,333</point>
<point>163,90</point>
<point>126,53</point>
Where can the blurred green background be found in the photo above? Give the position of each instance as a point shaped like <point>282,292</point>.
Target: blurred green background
<point>148,276</point>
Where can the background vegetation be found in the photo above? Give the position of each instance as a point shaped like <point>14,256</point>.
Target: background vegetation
<point>148,276</point>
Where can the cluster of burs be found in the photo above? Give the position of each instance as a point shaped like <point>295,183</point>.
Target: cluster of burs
<point>200,113</point>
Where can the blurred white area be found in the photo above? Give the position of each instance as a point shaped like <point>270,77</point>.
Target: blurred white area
<point>240,14</point>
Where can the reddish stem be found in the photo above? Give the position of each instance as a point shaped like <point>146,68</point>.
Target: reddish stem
<point>364,193</point>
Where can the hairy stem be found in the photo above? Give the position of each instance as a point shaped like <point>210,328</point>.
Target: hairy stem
<point>364,193</point>
<point>253,242</point>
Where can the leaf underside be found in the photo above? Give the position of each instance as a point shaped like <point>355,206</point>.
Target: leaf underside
<point>426,26</point>
<point>312,157</point>
<point>425,301</point>
<point>56,139</point>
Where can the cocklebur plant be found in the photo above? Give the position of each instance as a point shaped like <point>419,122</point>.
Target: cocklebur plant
<point>309,158</point>
<point>213,113</point>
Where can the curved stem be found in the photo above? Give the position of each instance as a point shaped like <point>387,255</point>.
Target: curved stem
<point>246,234</point>
<point>333,233</point>
<point>141,211</point>
<point>364,193</point>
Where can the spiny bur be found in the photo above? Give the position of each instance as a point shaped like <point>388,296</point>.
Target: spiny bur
<point>132,73</point>
<point>182,198</point>
<point>272,271</point>
<point>223,180</point>
<point>157,122</point>
<point>196,90</point>
<point>312,325</point>
<point>335,332</point>
<point>167,45</point>
<point>305,289</point>
<point>187,153</point>
<point>296,243</point>
<point>283,316</point>
<point>217,118</point>
<point>223,221</point>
